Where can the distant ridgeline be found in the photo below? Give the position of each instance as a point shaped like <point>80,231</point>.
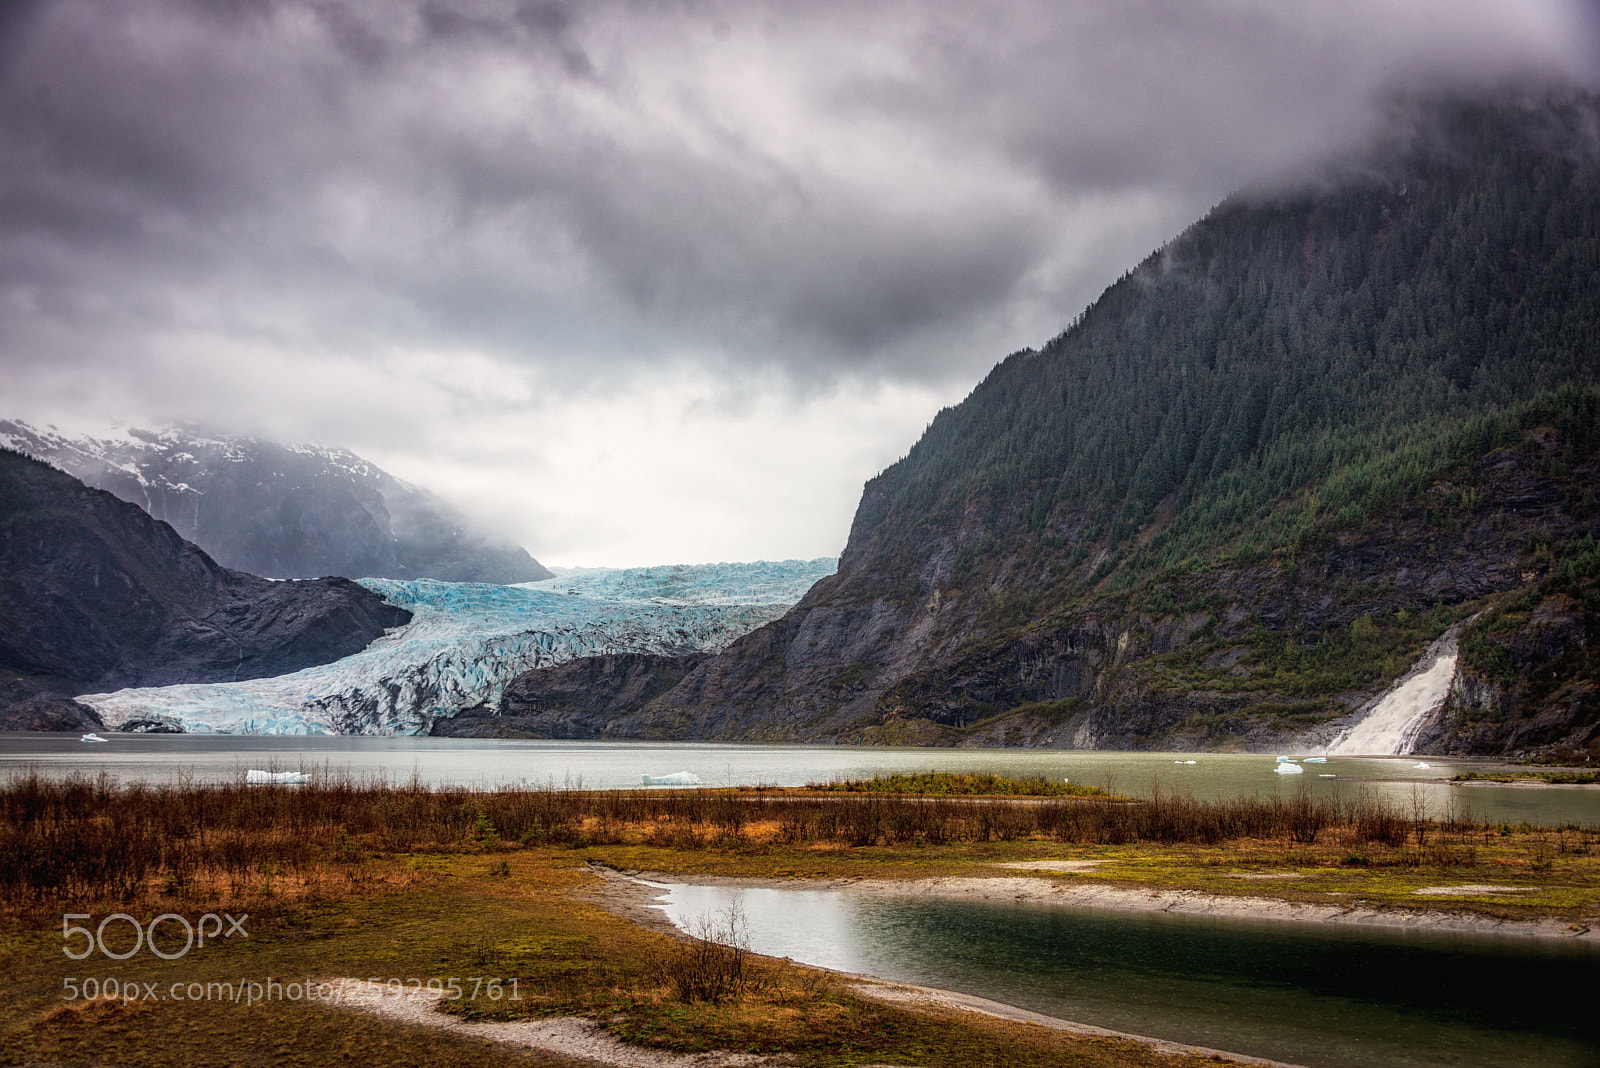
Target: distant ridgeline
<point>96,594</point>
<point>1248,486</point>
<point>284,511</point>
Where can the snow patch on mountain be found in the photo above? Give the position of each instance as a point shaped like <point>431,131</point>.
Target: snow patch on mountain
<point>285,511</point>
<point>467,641</point>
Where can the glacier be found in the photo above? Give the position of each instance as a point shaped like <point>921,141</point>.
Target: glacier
<point>467,641</point>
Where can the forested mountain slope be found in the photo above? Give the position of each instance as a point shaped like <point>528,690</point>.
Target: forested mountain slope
<point>1248,485</point>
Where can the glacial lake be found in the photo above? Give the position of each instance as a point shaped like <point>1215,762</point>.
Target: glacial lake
<point>485,764</point>
<point>1320,996</point>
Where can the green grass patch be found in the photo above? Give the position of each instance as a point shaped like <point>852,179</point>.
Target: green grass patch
<point>1560,778</point>
<point>961,784</point>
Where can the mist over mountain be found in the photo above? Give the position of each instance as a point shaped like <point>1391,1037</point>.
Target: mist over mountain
<point>97,594</point>
<point>1248,486</point>
<point>283,511</point>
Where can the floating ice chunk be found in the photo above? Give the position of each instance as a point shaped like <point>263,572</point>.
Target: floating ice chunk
<point>1421,767</point>
<point>1316,760</point>
<point>677,778</point>
<point>1289,769</point>
<point>1327,775</point>
<point>1283,759</point>
<point>256,777</point>
<point>91,737</point>
<point>1190,761</point>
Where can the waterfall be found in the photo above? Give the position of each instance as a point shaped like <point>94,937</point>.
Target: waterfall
<point>1398,717</point>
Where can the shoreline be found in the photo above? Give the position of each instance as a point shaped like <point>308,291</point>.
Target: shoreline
<point>587,1041</point>
<point>633,896</point>
<point>1194,903</point>
<point>1539,784</point>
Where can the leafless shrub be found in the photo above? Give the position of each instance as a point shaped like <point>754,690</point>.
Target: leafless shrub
<point>714,963</point>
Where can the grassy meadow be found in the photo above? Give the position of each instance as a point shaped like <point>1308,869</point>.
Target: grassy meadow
<point>342,879</point>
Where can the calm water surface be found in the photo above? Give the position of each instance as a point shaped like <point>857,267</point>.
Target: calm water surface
<point>1322,997</point>
<point>484,764</point>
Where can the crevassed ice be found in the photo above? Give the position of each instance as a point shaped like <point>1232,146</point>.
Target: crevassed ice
<point>467,641</point>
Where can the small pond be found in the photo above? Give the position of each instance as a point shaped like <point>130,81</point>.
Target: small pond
<point>1315,995</point>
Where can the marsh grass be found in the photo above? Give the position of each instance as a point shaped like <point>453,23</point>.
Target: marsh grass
<point>101,841</point>
<point>343,878</point>
<point>1555,778</point>
<point>714,963</point>
<point>961,784</point>
<point>570,957</point>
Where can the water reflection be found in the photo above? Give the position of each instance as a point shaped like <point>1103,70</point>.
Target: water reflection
<point>1323,997</point>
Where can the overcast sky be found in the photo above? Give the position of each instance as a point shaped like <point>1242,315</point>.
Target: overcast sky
<point>641,282</point>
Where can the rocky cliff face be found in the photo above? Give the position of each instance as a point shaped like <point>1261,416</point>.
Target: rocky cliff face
<point>1268,656</point>
<point>576,699</point>
<point>296,511</point>
<point>468,642</point>
<point>96,594</point>
<point>1248,487</point>
<point>1530,681</point>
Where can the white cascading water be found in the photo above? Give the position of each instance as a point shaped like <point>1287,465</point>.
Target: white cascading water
<point>1399,716</point>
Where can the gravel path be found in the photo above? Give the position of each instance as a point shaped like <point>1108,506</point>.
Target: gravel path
<point>564,1036</point>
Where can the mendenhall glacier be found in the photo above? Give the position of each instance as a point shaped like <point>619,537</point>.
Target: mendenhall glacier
<point>467,641</point>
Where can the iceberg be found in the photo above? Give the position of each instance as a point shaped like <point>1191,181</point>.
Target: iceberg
<point>91,737</point>
<point>467,641</point>
<point>1287,768</point>
<point>280,778</point>
<point>1421,767</point>
<point>1316,760</point>
<point>677,778</point>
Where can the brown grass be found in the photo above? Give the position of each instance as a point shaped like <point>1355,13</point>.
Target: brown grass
<point>282,846</point>
<point>402,881</point>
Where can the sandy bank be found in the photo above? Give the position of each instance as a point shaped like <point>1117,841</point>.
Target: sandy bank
<point>564,1036</point>
<point>927,995</point>
<point>1177,902</point>
<point>627,894</point>
<point>1529,784</point>
<point>586,1041</point>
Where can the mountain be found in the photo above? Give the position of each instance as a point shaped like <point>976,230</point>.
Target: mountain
<point>97,594</point>
<point>1249,486</point>
<point>286,511</point>
<point>467,642</point>
<point>574,699</point>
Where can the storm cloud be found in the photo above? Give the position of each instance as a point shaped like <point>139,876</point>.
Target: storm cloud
<point>508,246</point>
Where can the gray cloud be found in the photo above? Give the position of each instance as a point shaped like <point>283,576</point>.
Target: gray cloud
<point>224,210</point>
<point>838,186</point>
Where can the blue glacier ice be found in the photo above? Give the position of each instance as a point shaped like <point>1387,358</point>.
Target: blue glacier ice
<point>467,641</point>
